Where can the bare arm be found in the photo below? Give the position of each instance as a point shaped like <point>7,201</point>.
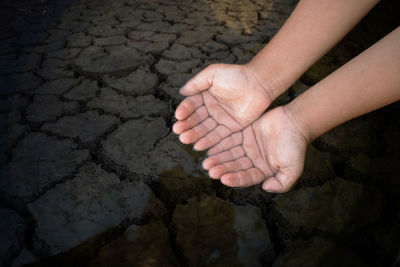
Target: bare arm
<point>223,99</point>
<point>272,150</point>
<point>312,29</point>
<point>368,82</point>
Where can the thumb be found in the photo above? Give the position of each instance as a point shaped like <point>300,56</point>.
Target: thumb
<point>202,81</point>
<point>280,183</point>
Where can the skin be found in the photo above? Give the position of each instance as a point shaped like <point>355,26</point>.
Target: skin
<point>368,82</point>
<point>223,99</point>
<point>234,98</point>
<point>272,149</point>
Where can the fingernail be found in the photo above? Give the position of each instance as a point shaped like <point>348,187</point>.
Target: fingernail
<point>270,191</point>
<point>206,169</point>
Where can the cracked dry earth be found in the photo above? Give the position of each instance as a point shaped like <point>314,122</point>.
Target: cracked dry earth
<point>92,175</point>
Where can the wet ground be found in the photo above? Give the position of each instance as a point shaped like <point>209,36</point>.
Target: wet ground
<point>92,175</point>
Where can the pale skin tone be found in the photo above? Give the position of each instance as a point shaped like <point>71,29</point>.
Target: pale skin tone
<point>271,150</point>
<point>223,99</point>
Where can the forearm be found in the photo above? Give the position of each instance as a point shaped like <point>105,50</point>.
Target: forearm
<point>368,82</point>
<point>312,29</point>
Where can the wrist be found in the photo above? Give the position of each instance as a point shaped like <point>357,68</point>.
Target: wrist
<point>268,76</point>
<point>274,68</point>
<point>298,119</point>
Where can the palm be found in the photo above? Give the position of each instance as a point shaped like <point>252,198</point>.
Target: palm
<point>222,99</point>
<point>271,150</point>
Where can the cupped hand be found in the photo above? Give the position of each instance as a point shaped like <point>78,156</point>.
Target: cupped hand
<point>269,151</point>
<point>220,100</point>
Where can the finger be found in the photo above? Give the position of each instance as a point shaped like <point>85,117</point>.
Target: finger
<point>226,143</point>
<point>188,106</point>
<point>281,183</point>
<point>241,164</point>
<point>209,162</point>
<point>212,138</point>
<point>197,132</point>
<point>202,81</point>
<point>245,178</point>
<point>225,156</point>
<point>195,118</point>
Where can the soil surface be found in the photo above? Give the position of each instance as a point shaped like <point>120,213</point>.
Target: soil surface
<point>91,173</point>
